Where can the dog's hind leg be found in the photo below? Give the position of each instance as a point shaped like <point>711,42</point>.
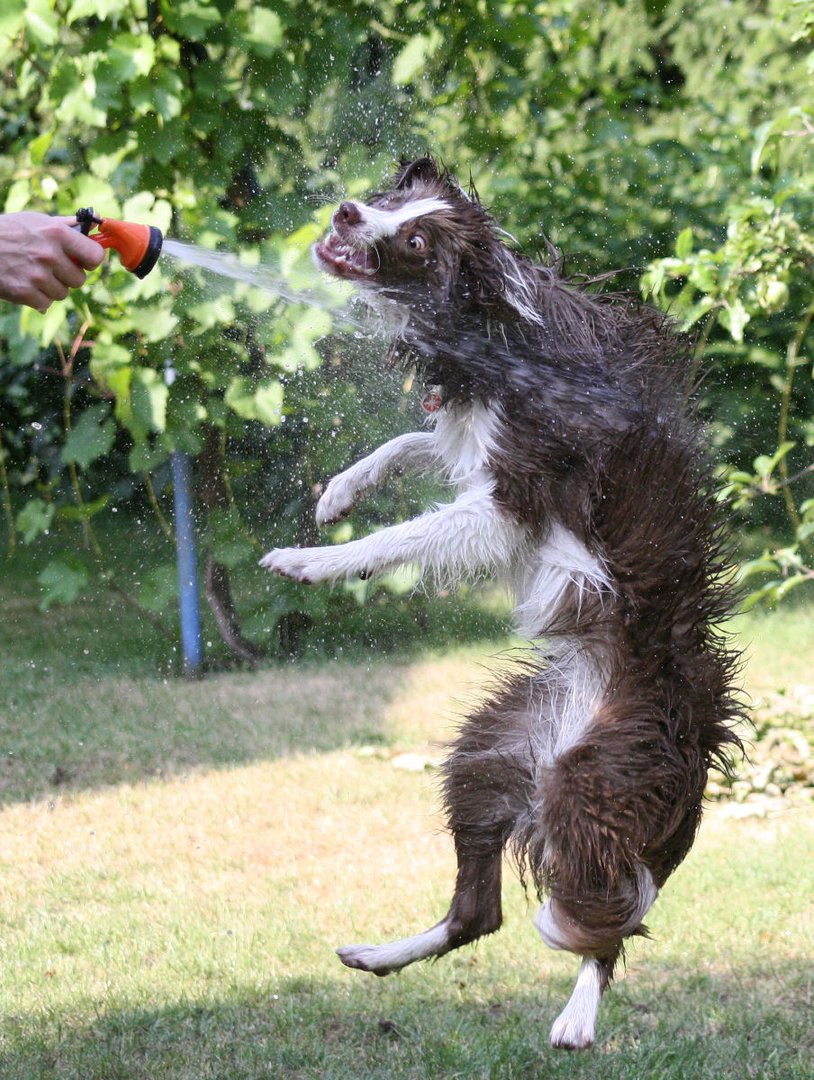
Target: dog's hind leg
<point>575,1027</point>
<point>562,925</point>
<point>475,910</point>
<point>486,787</point>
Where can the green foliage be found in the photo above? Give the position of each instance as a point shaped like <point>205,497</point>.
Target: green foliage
<point>755,287</point>
<point>621,132</point>
<point>61,582</point>
<point>34,518</point>
<point>91,438</point>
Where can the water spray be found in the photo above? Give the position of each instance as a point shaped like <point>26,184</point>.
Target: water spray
<point>138,245</point>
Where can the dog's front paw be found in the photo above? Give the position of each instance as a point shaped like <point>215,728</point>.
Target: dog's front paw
<point>336,502</point>
<point>291,563</point>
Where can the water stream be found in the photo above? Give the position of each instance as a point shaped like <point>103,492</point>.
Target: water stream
<point>261,277</point>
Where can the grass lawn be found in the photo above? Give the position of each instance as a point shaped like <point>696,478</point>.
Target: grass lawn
<point>180,859</point>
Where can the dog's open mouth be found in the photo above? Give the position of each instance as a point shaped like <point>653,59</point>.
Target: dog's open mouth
<point>345,260</point>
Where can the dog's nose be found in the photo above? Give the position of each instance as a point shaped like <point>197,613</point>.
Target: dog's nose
<point>348,214</point>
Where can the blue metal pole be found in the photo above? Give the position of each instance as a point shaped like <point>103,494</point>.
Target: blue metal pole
<point>191,640</point>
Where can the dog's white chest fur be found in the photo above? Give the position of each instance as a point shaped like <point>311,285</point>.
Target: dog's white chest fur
<point>465,441</point>
<point>540,573</point>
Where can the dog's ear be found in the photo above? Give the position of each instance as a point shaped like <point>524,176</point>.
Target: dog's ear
<point>422,169</point>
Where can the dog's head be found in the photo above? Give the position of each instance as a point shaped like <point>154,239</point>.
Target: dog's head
<point>423,236</point>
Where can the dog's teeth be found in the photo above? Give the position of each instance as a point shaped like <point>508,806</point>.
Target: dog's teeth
<point>345,255</point>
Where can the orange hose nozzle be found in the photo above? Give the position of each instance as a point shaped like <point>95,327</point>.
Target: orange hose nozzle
<point>138,245</point>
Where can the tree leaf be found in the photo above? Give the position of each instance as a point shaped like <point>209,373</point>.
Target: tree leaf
<point>683,246</point>
<point>38,147</point>
<point>214,312</point>
<point>268,402</point>
<point>764,465</point>
<point>149,395</point>
<point>12,18</point>
<point>239,397</point>
<point>18,196</point>
<point>263,403</point>
<point>42,22</point>
<point>265,32</point>
<point>131,55</point>
<point>228,539</point>
<point>91,437</point>
<point>413,58</point>
<point>86,511</point>
<point>34,518</point>
<point>764,565</point>
<point>80,105</point>
<point>61,583</point>
<point>87,9</point>
<point>734,317</point>
<point>190,19</point>
<point>160,587</point>
<point>146,456</point>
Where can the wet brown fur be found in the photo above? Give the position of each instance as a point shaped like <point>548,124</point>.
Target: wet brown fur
<point>598,433</point>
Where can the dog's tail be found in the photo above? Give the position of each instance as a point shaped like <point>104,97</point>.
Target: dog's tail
<point>596,924</point>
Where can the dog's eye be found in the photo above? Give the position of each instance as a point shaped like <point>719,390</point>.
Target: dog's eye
<point>417,242</point>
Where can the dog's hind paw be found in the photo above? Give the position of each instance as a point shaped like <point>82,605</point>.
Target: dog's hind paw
<point>364,958</point>
<point>575,1027</point>
<point>568,1035</point>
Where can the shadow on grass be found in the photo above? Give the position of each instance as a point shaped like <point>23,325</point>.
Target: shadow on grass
<point>753,1024</point>
<point>83,703</point>
<point>60,736</point>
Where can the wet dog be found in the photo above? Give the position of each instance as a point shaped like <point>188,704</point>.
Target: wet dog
<point>561,419</point>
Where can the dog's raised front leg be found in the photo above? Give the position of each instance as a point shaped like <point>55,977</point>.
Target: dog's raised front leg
<point>474,911</point>
<point>453,541</point>
<point>412,452</point>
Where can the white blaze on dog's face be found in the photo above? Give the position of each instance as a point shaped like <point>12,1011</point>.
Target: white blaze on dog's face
<point>354,247</point>
<point>412,234</point>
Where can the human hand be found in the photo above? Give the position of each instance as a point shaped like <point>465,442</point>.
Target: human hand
<point>42,257</point>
